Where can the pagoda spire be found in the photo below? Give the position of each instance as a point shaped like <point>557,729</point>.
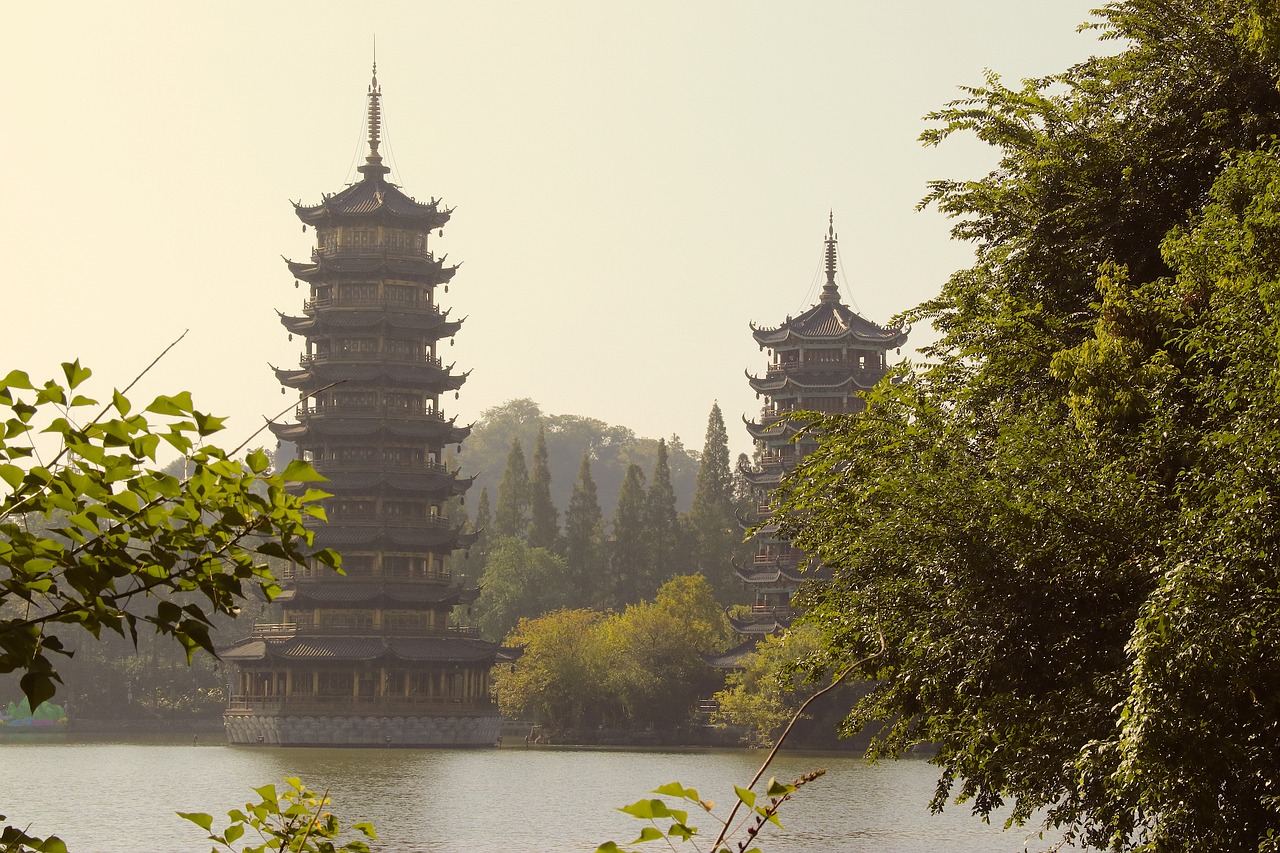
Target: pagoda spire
<point>830,290</point>
<point>373,162</point>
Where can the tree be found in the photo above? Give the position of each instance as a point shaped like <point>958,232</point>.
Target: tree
<point>584,540</point>
<point>662,521</point>
<point>628,556</point>
<point>764,694</point>
<point>556,681</point>
<point>712,521</point>
<point>544,519</point>
<point>99,538</point>
<point>511,517</point>
<point>1062,527</point>
<point>519,581</point>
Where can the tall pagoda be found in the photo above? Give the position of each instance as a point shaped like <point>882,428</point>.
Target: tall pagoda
<point>818,362</point>
<point>370,658</point>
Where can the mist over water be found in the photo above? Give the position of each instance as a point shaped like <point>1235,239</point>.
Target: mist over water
<point>113,797</point>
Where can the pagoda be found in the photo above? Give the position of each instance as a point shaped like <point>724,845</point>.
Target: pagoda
<point>370,658</point>
<point>818,362</point>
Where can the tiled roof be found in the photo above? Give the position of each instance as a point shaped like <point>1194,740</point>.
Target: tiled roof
<point>423,428</point>
<point>732,658</point>
<point>374,196</point>
<point>309,648</point>
<point>398,375</point>
<point>426,538</point>
<point>830,322</point>
<point>339,319</point>
<point>428,481</point>
<point>815,380</point>
<point>348,591</point>
<point>422,269</point>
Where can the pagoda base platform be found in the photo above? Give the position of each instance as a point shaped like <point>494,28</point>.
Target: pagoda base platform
<point>275,729</point>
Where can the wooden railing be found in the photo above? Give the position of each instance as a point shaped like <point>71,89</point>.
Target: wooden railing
<point>305,703</point>
<point>289,629</point>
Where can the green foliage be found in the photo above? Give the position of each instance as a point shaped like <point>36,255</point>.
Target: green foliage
<point>511,516</point>
<point>662,523</point>
<point>584,548</point>
<point>293,821</point>
<point>1064,527</point>
<point>667,823</point>
<point>638,668</point>
<point>544,519</point>
<point>772,683</point>
<point>519,582</point>
<point>628,556</point>
<point>712,521</point>
<point>95,538</point>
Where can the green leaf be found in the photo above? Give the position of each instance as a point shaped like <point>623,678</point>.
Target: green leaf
<point>675,789</point>
<point>779,789</point>
<point>748,797</point>
<point>121,402</point>
<point>12,475</point>
<point>649,833</point>
<point>200,819</point>
<point>233,833</point>
<point>17,379</point>
<point>298,471</point>
<point>75,373</point>
<point>257,461</point>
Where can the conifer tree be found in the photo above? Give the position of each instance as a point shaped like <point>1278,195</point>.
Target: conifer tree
<point>511,517</point>
<point>713,523</point>
<point>584,539</point>
<point>627,561</point>
<point>484,514</point>
<point>544,518</point>
<point>662,522</point>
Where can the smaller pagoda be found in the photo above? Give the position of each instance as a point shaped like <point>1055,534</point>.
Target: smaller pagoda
<point>818,362</point>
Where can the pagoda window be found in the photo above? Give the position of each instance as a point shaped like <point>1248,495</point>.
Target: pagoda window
<point>825,356</point>
<point>352,454</point>
<point>359,292</point>
<point>351,509</point>
<point>361,400</point>
<point>789,357</point>
<point>406,620</point>
<point>401,294</point>
<point>405,403</point>
<point>327,239</point>
<point>402,509</point>
<point>356,345</point>
<point>362,619</point>
<point>324,292</point>
<point>404,349</point>
<point>437,565</point>
<point>336,683</point>
<point>358,565</point>
<point>862,361</point>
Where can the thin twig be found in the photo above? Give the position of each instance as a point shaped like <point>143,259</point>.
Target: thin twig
<point>724,833</point>
<point>278,415</point>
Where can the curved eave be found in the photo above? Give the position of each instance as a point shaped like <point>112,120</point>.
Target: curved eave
<point>394,374</point>
<point>361,268</point>
<point>374,199</point>
<point>789,382</point>
<point>343,649</point>
<point>778,431</point>
<point>387,594</point>
<point>432,483</point>
<point>315,430</point>
<point>341,319</point>
<point>336,535</point>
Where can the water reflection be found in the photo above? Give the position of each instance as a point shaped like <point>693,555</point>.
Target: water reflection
<point>103,796</point>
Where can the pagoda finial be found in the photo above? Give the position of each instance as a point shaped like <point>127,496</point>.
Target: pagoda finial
<point>830,290</point>
<point>373,162</point>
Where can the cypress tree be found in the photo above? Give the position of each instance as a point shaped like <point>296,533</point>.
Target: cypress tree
<point>628,558</point>
<point>663,523</point>
<point>544,518</point>
<point>713,522</point>
<point>584,539</point>
<point>511,517</point>
<point>484,514</point>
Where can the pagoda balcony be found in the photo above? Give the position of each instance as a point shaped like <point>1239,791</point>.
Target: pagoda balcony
<point>390,410</point>
<point>782,561</point>
<point>306,573</point>
<point>370,252</point>
<point>765,509</point>
<point>363,519</point>
<point>289,629</point>
<point>309,359</point>
<point>337,465</point>
<point>844,366</point>
<point>345,704</point>
<point>309,306</point>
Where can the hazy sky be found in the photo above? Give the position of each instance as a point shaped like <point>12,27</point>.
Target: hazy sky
<point>633,182</point>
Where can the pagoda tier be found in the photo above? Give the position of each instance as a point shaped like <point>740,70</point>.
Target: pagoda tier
<point>820,361</point>
<point>369,657</point>
<point>378,424</point>
<point>372,594</point>
<point>326,370</point>
<point>392,538</point>
<point>424,320</point>
<point>361,265</point>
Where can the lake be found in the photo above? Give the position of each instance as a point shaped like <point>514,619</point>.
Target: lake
<point>110,796</point>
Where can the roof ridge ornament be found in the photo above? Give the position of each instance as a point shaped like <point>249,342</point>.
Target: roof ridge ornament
<point>830,290</point>
<point>373,162</point>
